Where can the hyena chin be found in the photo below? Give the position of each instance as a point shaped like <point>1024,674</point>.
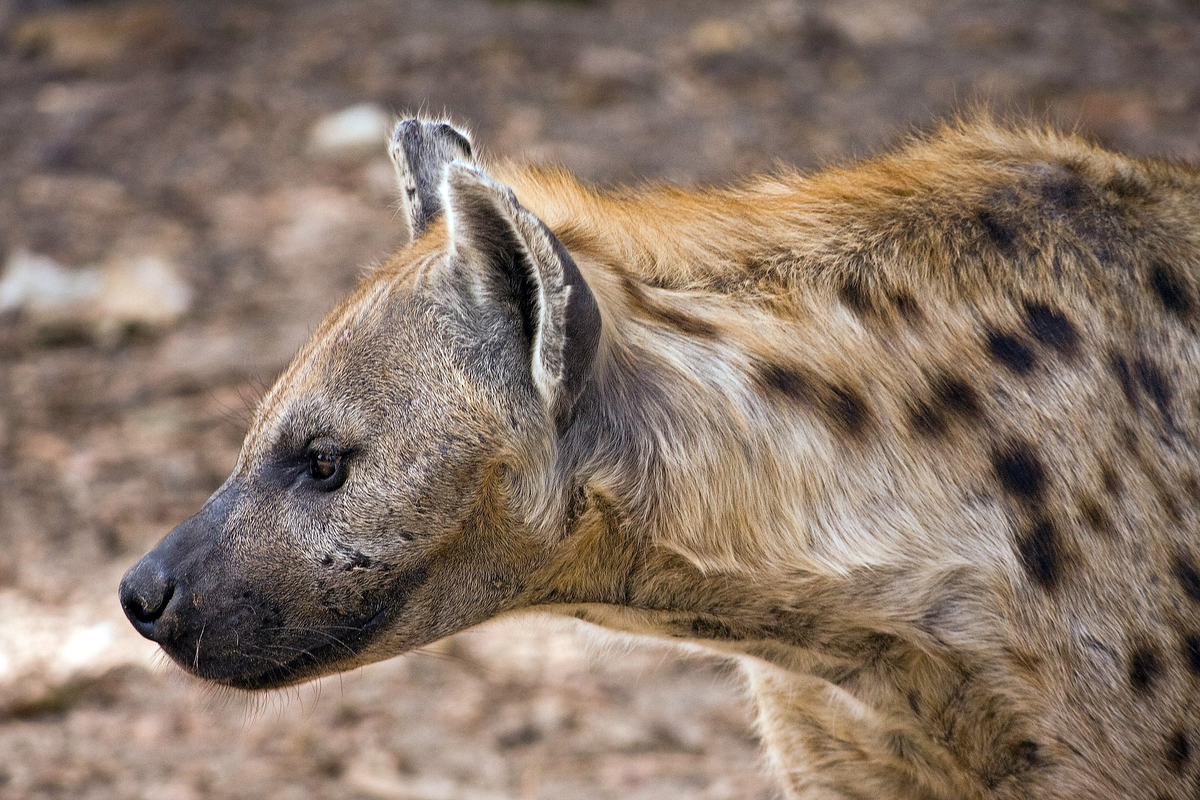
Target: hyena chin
<point>914,440</point>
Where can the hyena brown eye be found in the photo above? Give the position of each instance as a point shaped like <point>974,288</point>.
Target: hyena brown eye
<point>323,466</point>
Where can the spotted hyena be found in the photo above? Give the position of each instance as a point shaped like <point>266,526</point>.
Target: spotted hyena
<point>915,440</point>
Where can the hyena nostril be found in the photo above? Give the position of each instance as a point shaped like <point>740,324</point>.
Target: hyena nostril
<point>145,594</point>
<point>152,610</point>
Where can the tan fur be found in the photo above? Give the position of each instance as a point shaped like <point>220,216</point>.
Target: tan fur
<point>914,439</point>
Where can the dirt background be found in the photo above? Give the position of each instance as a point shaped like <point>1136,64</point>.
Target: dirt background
<point>179,135</point>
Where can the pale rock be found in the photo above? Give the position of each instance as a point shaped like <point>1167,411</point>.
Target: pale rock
<point>141,292</point>
<point>352,131</point>
<point>43,288</point>
<point>714,36</point>
<point>138,292</point>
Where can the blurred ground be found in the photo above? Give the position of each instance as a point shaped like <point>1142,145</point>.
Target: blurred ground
<point>176,232</point>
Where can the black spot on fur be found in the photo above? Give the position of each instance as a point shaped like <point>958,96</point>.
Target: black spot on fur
<point>1179,750</point>
<point>1144,668</point>
<point>907,305</point>
<point>849,409</point>
<point>1051,327</point>
<point>1155,383</point>
<point>1015,759</point>
<point>1188,576</point>
<point>1027,752</point>
<point>1020,470</point>
<point>1191,652</point>
<point>1112,481</point>
<point>1127,188</point>
<point>1172,292</point>
<point>790,383</point>
<point>1041,553</point>
<point>926,421</point>
<point>1191,488</point>
<point>998,232</point>
<point>1095,516</point>
<point>1120,368</point>
<point>1011,351</point>
<point>841,405</point>
<point>855,296</point>
<point>950,396</point>
<point>956,395</point>
<point>1065,188</point>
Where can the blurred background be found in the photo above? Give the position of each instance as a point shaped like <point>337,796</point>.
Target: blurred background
<point>187,187</point>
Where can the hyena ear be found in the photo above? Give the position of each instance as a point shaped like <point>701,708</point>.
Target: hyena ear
<point>512,258</point>
<point>420,151</point>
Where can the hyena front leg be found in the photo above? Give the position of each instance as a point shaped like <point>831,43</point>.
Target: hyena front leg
<point>420,150</point>
<point>824,744</point>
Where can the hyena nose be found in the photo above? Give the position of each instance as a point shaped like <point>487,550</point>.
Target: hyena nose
<point>146,591</point>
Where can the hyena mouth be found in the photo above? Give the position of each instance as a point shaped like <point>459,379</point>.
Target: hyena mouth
<point>293,655</point>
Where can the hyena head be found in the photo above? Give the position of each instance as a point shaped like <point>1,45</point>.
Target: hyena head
<point>383,496</point>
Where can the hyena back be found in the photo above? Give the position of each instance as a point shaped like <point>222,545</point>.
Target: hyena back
<point>915,440</point>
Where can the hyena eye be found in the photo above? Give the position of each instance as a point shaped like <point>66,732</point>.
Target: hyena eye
<point>326,467</point>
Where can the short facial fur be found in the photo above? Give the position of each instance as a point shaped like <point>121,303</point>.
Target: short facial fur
<point>915,440</point>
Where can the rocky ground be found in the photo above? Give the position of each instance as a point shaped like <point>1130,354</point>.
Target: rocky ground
<point>186,191</point>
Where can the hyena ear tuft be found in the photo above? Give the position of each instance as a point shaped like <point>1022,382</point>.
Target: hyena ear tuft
<point>515,260</point>
<point>420,151</point>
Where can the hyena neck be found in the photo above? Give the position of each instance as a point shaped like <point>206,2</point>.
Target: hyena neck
<point>675,504</point>
<point>736,454</point>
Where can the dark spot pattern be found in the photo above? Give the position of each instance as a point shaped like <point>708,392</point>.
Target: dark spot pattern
<point>1028,752</point>
<point>1009,350</point>
<point>1000,234</point>
<point>790,383</point>
<point>1188,576</point>
<point>1041,554</point>
<point>907,305</point>
<point>1112,481</point>
<point>1179,750</point>
<point>1172,292</point>
<point>1120,368</point>
<point>949,396</point>
<point>842,405</point>
<point>956,395</point>
<point>1020,470</point>
<point>1065,189</point>
<point>1095,516</point>
<point>1144,668</point>
<point>1051,327</point>
<point>849,409</point>
<point>1191,652</point>
<point>1155,383</point>
<point>854,295</point>
<point>1127,187</point>
<point>927,421</point>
